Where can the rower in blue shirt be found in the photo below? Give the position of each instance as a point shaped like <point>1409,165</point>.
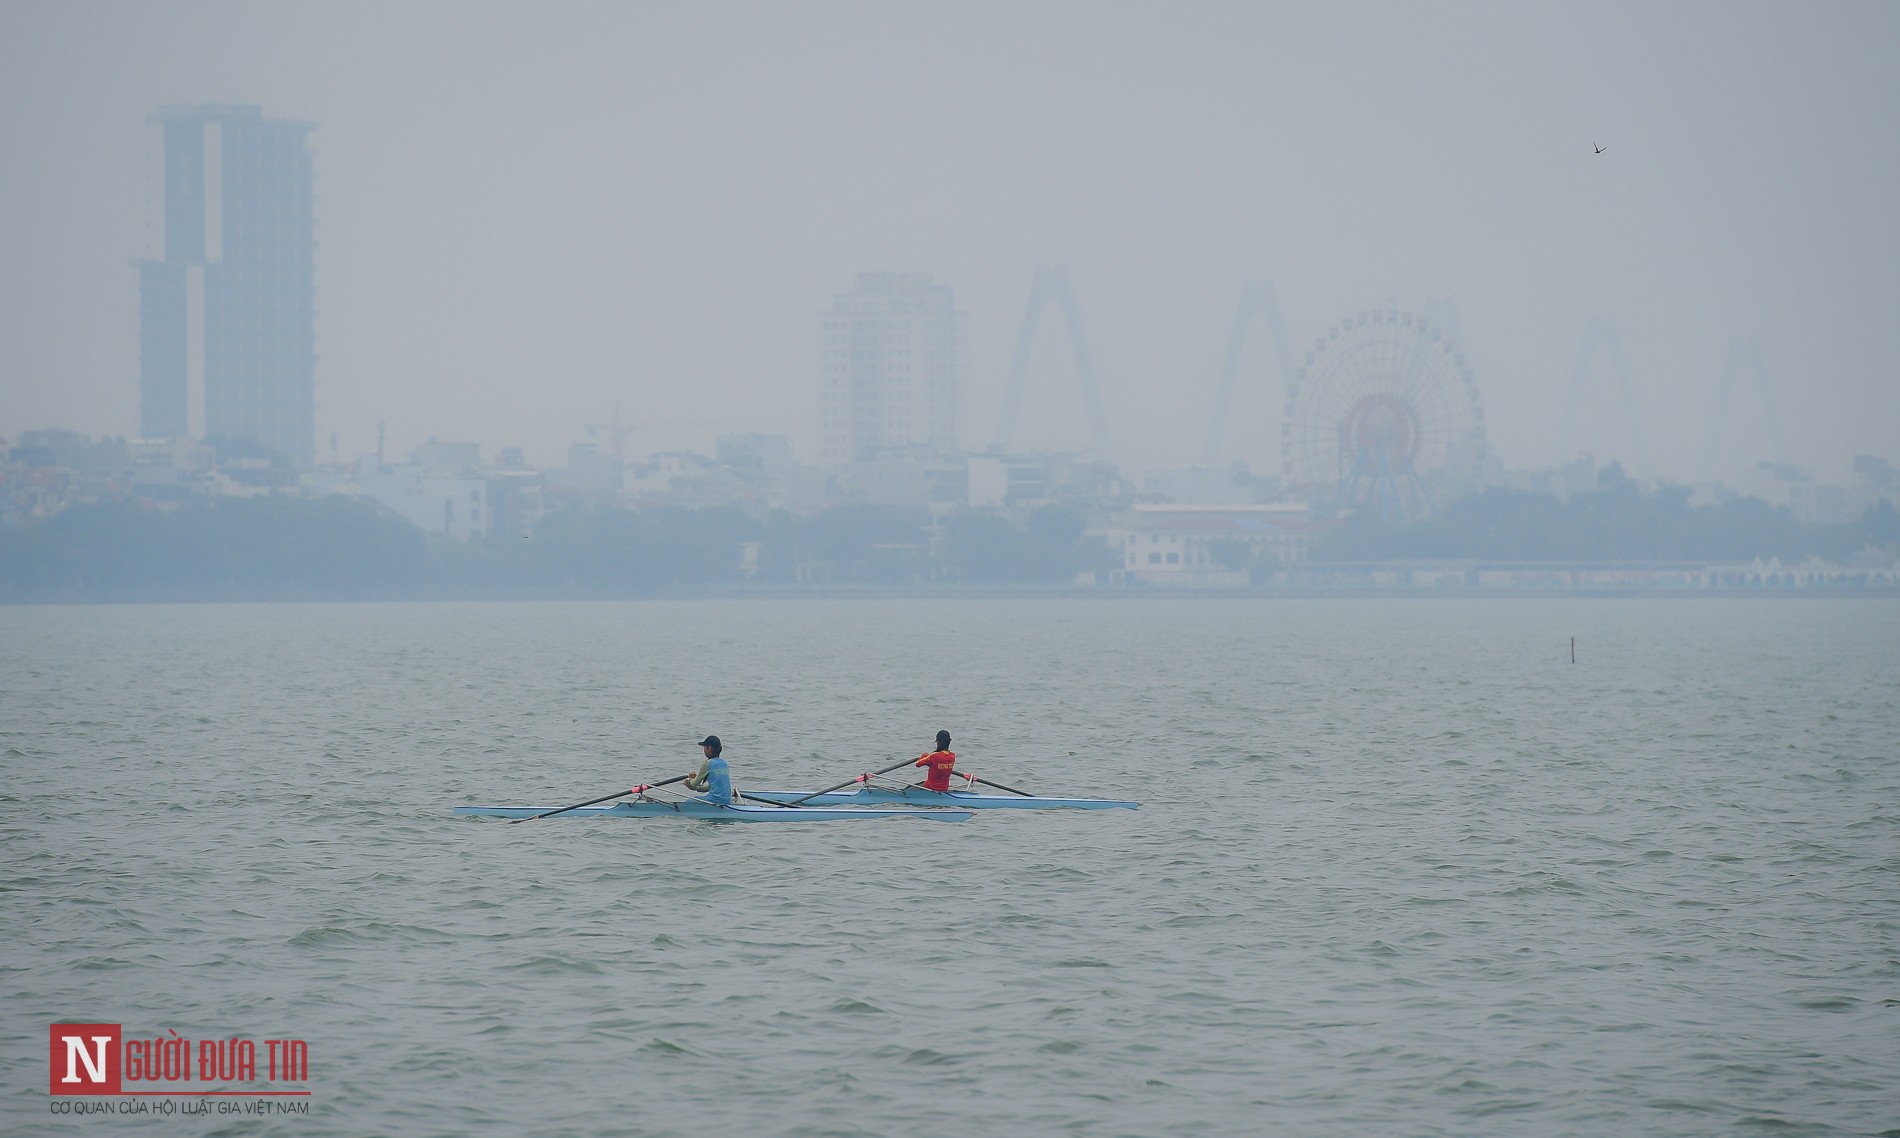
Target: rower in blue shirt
<point>714,778</point>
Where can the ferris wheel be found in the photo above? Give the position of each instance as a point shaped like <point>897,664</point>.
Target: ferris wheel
<point>1383,414</point>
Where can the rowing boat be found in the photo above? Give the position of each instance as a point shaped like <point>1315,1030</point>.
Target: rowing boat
<point>918,796</point>
<point>691,808</point>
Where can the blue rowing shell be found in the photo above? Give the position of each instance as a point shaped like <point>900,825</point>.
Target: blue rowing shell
<point>709,811</point>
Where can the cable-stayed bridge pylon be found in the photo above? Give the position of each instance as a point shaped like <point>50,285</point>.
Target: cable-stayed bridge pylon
<point>1257,301</point>
<point>1600,336</point>
<point>1052,283</point>
<point>1744,353</point>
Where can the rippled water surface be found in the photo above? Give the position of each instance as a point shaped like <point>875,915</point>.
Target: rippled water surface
<point>1400,867</point>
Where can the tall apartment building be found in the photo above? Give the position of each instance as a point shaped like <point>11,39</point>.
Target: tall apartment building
<point>889,353</point>
<point>227,314</point>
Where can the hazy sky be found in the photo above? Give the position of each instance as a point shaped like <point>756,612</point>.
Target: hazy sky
<point>528,212</point>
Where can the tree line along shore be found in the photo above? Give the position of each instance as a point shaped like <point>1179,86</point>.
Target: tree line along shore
<point>344,548</point>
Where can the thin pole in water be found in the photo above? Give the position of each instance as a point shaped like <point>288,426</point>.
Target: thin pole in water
<point>1573,650</point>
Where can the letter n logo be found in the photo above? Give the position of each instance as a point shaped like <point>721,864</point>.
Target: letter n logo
<point>83,1058</point>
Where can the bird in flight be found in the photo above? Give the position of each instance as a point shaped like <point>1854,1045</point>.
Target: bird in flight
<point>1599,148</point>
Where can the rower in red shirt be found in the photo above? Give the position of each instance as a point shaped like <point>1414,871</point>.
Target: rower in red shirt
<point>942,763</point>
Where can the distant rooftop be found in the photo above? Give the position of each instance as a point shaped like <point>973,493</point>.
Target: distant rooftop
<point>218,112</point>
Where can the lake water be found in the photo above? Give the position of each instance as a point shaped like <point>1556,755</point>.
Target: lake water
<point>1401,867</point>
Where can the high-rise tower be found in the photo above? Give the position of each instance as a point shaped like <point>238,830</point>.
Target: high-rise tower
<point>227,315</point>
<point>889,353</point>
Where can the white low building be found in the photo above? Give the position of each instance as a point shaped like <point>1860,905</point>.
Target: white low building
<point>1206,545</point>
<point>442,491</point>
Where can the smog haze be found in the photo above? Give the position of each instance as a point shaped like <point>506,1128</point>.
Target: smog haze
<point>528,215</point>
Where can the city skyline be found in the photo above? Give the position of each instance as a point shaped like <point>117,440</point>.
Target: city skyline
<point>506,260</point>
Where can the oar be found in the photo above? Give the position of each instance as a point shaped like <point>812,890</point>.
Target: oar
<point>999,786</point>
<point>602,798</point>
<point>852,782</point>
